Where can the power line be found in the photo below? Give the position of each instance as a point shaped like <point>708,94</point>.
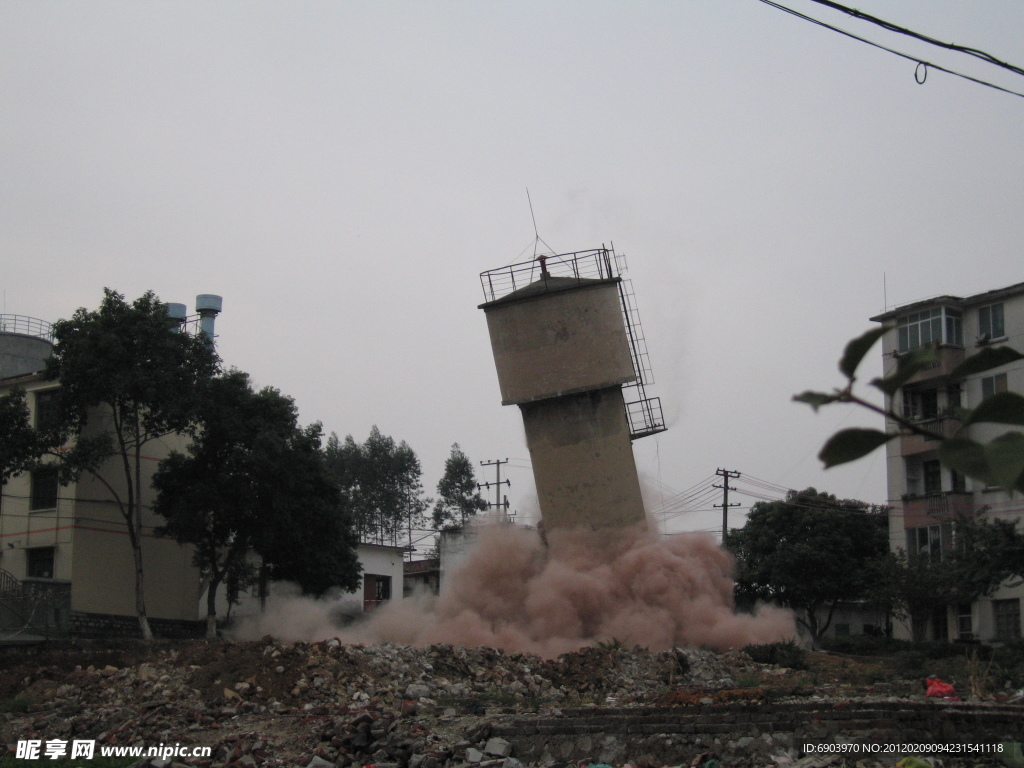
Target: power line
<point>766,484</point>
<point>684,502</point>
<point>978,54</point>
<point>678,497</point>
<point>919,61</point>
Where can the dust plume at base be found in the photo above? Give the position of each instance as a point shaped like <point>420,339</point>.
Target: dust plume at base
<point>512,592</point>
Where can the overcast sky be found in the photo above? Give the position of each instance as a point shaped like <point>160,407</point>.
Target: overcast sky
<point>342,172</point>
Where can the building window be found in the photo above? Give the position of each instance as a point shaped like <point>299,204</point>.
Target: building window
<point>964,622</point>
<point>957,482</point>
<point>990,321</point>
<point>928,541</point>
<point>954,327</point>
<point>992,384</point>
<point>939,325</point>
<point>39,563</point>
<point>47,409</point>
<point>953,398</point>
<point>842,630</point>
<point>921,404</point>
<point>44,489</point>
<point>940,629</point>
<point>1007,619</point>
<point>932,472</point>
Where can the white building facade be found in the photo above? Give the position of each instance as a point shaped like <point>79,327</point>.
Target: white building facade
<point>925,495</point>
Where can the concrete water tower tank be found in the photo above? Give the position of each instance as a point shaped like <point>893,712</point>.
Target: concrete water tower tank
<point>25,343</point>
<point>564,348</point>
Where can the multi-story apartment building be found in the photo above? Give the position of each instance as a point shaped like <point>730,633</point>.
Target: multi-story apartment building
<point>66,565</point>
<point>925,495</point>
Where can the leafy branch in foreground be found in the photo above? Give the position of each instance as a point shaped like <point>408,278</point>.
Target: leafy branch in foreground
<point>999,462</point>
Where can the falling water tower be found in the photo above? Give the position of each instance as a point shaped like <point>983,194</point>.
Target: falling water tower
<point>567,344</point>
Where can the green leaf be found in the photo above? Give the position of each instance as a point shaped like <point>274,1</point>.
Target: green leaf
<point>908,365</point>
<point>815,399</point>
<point>857,348</point>
<point>1000,462</point>
<point>850,444</point>
<point>1005,457</point>
<point>965,456</point>
<point>988,358</point>
<point>1001,408</point>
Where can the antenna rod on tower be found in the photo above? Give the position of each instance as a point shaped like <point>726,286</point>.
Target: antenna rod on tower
<point>536,234</point>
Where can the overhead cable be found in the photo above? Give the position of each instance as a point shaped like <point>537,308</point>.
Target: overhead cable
<point>978,54</point>
<point>919,74</point>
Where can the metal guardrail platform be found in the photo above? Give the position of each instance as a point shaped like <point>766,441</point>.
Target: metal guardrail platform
<point>27,326</point>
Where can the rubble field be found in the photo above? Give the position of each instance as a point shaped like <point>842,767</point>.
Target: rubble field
<point>269,703</point>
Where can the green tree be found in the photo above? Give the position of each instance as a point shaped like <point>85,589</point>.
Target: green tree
<point>918,588</point>
<point>380,481</point>
<point>809,552</point>
<point>458,494</point>
<point>20,445</point>
<point>986,552</point>
<point>980,555</point>
<point>255,483</point>
<point>127,377</point>
<point>309,538</point>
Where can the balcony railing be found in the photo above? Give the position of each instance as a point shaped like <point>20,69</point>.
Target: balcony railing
<point>912,443</point>
<point>9,585</point>
<point>949,358</point>
<point>933,508</point>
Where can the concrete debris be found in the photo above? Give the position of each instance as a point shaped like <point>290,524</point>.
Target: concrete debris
<point>329,705</point>
<point>498,747</point>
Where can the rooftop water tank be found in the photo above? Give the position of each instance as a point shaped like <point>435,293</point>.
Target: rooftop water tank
<point>25,343</point>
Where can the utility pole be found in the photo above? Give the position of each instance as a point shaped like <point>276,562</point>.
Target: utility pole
<point>726,475</point>
<point>497,503</point>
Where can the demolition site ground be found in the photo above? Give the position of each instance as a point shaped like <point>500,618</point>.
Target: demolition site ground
<point>269,703</point>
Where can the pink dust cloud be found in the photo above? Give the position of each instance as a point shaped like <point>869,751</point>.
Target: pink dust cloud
<point>512,592</point>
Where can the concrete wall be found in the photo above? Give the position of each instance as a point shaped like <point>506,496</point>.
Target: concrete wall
<point>554,343</point>
<point>755,730</point>
<point>382,561</point>
<point>583,460</point>
<point>103,571</point>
